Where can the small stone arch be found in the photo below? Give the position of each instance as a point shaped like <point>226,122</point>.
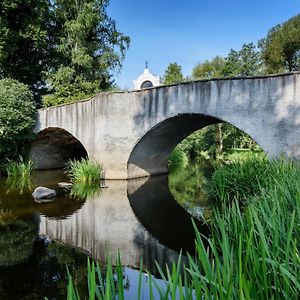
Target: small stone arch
<point>53,147</point>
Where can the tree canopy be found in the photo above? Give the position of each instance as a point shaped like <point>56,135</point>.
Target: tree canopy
<point>281,47</point>
<point>244,62</point>
<point>209,69</point>
<point>16,117</point>
<point>26,41</point>
<point>173,74</point>
<point>70,48</point>
<point>89,50</point>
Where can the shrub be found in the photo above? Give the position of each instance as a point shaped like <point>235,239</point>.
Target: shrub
<point>16,117</point>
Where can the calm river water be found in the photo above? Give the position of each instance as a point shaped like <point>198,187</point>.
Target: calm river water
<point>146,218</point>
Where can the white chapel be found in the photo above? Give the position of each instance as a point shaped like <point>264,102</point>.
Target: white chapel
<point>146,80</point>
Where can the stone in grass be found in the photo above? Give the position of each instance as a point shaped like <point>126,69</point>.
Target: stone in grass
<point>65,185</point>
<point>43,193</point>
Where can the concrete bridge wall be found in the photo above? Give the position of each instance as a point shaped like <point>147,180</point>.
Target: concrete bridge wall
<point>132,133</point>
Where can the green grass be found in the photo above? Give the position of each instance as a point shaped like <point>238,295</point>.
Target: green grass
<point>18,175</point>
<point>253,250</point>
<point>20,168</point>
<point>244,179</point>
<point>84,171</point>
<point>238,154</point>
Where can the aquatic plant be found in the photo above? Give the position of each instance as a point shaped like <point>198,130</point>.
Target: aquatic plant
<point>15,184</point>
<point>252,253</point>
<point>101,287</point>
<point>84,171</point>
<point>18,174</point>
<point>19,169</point>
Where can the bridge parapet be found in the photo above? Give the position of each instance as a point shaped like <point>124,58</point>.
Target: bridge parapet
<point>132,133</point>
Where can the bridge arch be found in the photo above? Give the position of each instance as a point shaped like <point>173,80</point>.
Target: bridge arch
<point>150,155</point>
<point>53,147</point>
<point>114,127</point>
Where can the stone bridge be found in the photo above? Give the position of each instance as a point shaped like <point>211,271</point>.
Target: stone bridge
<point>132,133</point>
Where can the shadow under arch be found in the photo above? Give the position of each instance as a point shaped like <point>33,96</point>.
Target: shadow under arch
<point>166,220</point>
<point>53,147</point>
<point>150,154</point>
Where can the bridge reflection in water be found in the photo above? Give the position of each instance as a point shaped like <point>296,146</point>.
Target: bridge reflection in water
<point>139,218</point>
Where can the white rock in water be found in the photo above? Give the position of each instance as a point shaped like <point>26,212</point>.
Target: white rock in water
<point>65,185</point>
<point>43,193</point>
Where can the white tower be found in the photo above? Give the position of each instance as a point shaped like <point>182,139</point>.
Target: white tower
<point>146,80</point>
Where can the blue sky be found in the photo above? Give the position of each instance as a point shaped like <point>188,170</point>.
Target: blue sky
<point>191,31</point>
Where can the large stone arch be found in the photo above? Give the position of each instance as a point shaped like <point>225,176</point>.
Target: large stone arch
<point>150,154</point>
<point>53,147</point>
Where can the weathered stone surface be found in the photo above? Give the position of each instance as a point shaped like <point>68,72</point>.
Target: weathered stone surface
<point>43,193</point>
<point>133,133</point>
<point>65,185</point>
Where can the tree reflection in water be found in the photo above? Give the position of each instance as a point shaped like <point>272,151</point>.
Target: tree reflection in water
<point>188,186</point>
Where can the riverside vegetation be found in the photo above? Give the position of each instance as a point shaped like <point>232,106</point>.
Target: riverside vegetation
<point>18,174</point>
<point>253,250</point>
<point>84,171</point>
<point>254,244</point>
<point>86,177</point>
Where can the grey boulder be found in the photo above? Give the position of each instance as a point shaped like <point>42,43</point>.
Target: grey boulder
<point>43,193</point>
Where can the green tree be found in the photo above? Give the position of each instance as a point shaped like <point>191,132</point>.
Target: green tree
<point>209,69</point>
<point>16,117</point>
<point>245,62</point>
<point>281,47</point>
<point>90,49</point>
<point>26,47</point>
<point>173,74</point>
